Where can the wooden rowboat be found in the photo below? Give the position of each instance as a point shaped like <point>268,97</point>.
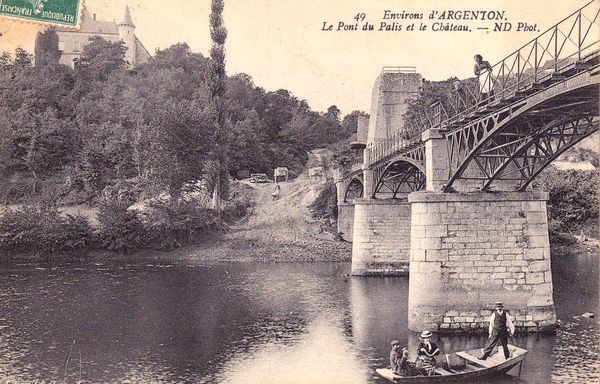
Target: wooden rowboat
<point>463,365</point>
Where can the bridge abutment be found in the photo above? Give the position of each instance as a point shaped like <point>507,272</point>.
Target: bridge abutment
<point>471,250</point>
<point>381,237</point>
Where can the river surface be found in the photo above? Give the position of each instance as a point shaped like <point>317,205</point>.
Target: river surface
<point>141,321</point>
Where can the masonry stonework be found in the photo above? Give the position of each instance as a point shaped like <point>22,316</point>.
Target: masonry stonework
<point>391,92</point>
<point>470,250</point>
<point>345,220</point>
<point>381,237</point>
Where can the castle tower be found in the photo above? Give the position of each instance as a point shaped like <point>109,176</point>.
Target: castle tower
<point>126,32</point>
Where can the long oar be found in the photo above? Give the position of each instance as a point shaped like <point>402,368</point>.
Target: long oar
<point>514,342</point>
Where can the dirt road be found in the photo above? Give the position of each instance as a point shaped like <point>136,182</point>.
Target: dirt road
<point>280,229</point>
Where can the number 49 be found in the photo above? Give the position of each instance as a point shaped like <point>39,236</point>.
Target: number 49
<point>360,17</point>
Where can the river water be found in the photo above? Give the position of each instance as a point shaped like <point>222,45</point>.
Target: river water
<point>142,321</point>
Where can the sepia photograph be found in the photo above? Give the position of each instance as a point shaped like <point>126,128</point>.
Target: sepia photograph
<point>299,192</point>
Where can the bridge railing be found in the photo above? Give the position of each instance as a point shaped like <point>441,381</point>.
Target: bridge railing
<point>566,45</point>
<point>563,46</point>
<point>390,145</point>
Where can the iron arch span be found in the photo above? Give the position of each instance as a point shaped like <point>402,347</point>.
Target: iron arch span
<point>517,142</point>
<point>354,190</point>
<point>401,175</point>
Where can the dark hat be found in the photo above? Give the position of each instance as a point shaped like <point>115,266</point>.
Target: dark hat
<point>395,342</point>
<point>499,304</point>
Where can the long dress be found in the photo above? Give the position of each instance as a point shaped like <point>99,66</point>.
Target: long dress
<point>484,73</point>
<point>425,361</point>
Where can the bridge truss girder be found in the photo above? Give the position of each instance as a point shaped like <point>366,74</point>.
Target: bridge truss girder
<point>517,141</point>
<point>529,151</point>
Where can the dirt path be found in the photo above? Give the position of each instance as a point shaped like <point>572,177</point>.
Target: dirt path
<point>279,229</point>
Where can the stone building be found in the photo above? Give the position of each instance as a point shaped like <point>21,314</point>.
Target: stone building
<point>71,42</point>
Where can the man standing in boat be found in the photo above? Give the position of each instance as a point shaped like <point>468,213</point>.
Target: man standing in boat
<point>501,326</point>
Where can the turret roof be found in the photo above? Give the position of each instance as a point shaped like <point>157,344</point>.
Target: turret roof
<point>127,18</point>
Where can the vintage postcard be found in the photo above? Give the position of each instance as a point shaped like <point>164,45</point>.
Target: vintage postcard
<point>283,191</point>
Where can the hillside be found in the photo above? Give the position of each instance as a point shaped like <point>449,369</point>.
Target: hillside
<point>278,229</point>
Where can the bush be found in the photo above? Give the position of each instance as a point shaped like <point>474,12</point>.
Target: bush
<point>573,197</point>
<point>75,233</point>
<point>235,210</point>
<point>325,205</point>
<point>560,238</point>
<point>239,204</point>
<point>41,229</point>
<point>172,224</point>
<point>120,230</point>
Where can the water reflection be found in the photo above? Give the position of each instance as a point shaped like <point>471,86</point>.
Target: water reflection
<point>169,322</point>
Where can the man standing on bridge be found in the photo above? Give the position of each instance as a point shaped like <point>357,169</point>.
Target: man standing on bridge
<point>500,326</point>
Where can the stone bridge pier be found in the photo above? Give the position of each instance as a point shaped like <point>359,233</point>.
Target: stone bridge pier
<point>381,227</point>
<point>469,249</point>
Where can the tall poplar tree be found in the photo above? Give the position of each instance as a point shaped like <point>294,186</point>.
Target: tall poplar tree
<point>218,34</point>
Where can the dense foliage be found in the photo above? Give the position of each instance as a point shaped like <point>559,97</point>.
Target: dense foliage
<point>41,230</point>
<point>573,203</point>
<point>71,134</point>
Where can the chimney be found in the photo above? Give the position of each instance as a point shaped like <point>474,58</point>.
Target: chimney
<point>94,16</point>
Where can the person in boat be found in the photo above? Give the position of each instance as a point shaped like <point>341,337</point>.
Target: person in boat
<point>395,355</point>
<point>426,352</point>
<point>399,359</point>
<point>501,326</point>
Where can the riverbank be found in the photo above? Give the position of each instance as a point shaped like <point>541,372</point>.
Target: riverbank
<point>278,229</point>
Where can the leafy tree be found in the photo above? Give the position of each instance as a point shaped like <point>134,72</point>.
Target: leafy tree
<point>22,58</point>
<point>218,34</point>
<point>100,58</point>
<point>333,112</point>
<point>46,48</point>
<point>179,140</point>
<point>5,60</point>
<point>350,121</point>
<point>573,197</point>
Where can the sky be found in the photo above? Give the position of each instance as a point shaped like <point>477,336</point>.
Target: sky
<point>281,44</point>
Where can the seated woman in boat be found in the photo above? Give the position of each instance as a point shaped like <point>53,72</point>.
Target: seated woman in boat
<point>426,351</point>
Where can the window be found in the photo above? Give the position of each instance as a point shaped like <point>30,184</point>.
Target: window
<point>61,45</point>
<point>76,45</point>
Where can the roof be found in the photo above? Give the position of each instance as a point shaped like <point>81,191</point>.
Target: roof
<point>127,18</point>
<point>574,165</point>
<point>89,25</point>
<point>141,53</point>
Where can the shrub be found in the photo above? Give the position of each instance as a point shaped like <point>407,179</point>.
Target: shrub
<point>120,230</point>
<point>561,238</point>
<point>573,197</point>
<point>169,225</point>
<point>239,204</point>
<point>325,205</point>
<point>235,210</point>
<point>40,229</point>
<point>75,233</point>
